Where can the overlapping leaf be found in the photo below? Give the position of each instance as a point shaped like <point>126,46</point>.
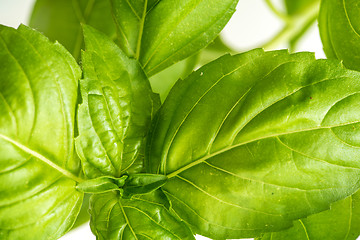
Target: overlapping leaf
<point>142,217</point>
<point>262,138</point>
<point>160,33</point>
<point>342,221</point>
<point>60,20</point>
<point>117,106</point>
<point>38,170</point>
<point>339,24</point>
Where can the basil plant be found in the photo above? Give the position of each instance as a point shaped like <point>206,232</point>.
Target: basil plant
<point>258,144</point>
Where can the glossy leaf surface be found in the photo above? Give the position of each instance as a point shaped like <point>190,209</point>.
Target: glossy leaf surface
<point>117,106</point>
<point>140,218</point>
<point>258,137</point>
<point>160,33</point>
<point>342,221</point>
<point>339,24</point>
<point>143,183</point>
<point>38,170</point>
<point>60,20</point>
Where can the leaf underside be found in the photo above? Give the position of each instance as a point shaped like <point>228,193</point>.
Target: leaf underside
<point>38,168</point>
<point>262,138</point>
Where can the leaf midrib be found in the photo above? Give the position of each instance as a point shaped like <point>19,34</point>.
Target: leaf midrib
<point>209,156</point>
<point>42,158</point>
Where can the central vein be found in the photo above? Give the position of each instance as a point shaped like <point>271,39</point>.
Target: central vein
<point>42,158</point>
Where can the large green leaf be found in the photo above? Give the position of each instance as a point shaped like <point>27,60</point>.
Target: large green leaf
<point>142,217</point>
<point>339,24</point>
<point>60,20</point>
<point>117,106</point>
<point>38,170</point>
<point>160,33</point>
<point>262,138</point>
<point>342,221</point>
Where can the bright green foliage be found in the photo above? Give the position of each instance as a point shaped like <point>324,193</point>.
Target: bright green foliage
<point>262,138</point>
<point>102,184</point>
<point>160,33</point>
<point>117,105</point>
<point>142,217</point>
<point>142,183</point>
<point>339,24</point>
<point>342,221</point>
<point>60,20</point>
<point>38,168</point>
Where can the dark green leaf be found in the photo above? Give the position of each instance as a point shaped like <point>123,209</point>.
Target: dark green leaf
<point>60,20</point>
<point>38,169</point>
<point>117,106</point>
<point>142,217</point>
<point>339,24</point>
<point>342,221</point>
<point>161,33</point>
<point>143,183</point>
<point>262,138</point>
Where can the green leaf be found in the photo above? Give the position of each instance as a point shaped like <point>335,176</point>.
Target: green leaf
<point>342,221</point>
<point>159,34</point>
<point>60,20</point>
<point>116,109</point>
<point>140,218</point>
<point>142,183</point>
<point>38,167</point>
<point>259,137</point>
<point>102,184</point>
<point>339,24</point>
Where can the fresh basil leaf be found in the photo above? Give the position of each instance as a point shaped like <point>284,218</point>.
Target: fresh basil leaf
<point>102,184</point>
<point>342,221</point>
<point>142,217</point>
<point>339,22</point>
<point>142,183</point>
<point>130,17</point>
<point>116,109</point>
<point>262,138</point>
<point>159,34</point>
<point>38,167</point>
<point>60,20</point>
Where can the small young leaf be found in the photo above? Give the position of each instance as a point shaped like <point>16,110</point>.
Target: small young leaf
<point>342,221</point>
<point>339,23</point>
<point>117,106</point>
<point>141,217</point>
<point>262,138</point>
<point>38,169</point>
<point>60,20</point>
<point>102,184</point>
<point>161,33</point>
<point>143,183</point>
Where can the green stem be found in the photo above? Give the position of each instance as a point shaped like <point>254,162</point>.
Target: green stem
<point>294,26</point>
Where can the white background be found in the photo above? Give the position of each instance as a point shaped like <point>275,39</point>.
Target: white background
<point>251,26</point>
